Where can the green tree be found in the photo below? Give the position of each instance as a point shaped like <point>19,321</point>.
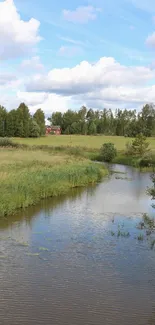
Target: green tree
<point>69,118</point>
<point>92,128</point>
<point>146,119</point>
<point>39,117</point>
<point>11,123</point>
<point>22,121</point>
<point>34,129</point>
<point>3,117</point>
<point>57,119</point>
<point>90,115</point>
<point>139,146</point>
<point>84,128</point>
<point>82,113</point>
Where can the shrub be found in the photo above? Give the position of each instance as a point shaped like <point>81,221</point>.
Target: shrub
<point>108,152</point>
<point>145,161</point>
<point>6,142</point>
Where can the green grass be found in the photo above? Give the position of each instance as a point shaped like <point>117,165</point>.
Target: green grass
<point>90,142</point>
<point>87,147</point>
<point>27,176</point>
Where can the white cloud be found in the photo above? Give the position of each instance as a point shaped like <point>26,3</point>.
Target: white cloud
<point>32,64</point>
<point>150,41</point>
<point>81,14</point>
<point>48,102</point>
<point>17,37</point>
<point>32,99</point>
<point>86,77</point>
<point>6,78</point>
<point>105,83</point>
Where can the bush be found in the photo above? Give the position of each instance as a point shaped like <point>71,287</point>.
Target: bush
<point>145,161</point>
<point>108,152</point>
<point>6,142</point>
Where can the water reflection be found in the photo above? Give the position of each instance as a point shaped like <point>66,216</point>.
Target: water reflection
<point>60,265</point>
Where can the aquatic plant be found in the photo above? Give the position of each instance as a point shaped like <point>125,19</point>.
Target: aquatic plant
<point>152,243</point>
<point>148,222</point>
<point>44,249</point>
<point>123,233</point>
<point>140,237</point>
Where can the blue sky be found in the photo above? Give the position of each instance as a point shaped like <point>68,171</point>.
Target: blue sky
<point>65,54</point>
<point>119,30</point>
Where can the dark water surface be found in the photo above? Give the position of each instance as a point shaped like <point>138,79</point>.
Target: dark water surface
<point>61,263</point>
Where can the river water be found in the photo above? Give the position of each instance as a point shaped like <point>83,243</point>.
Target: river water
<point>63,263</point>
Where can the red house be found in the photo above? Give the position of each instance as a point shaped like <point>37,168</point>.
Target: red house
<point>53,130</point>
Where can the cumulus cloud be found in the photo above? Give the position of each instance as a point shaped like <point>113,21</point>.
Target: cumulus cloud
<point>32,99</point>
<point>150,41</point>
<point>81,14</point>
<point>17,37</point>
<point>104,83</point>
<point>48,102</point>
<point>86,77</point>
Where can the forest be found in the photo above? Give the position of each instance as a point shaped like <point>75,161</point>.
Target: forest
<point>20,123</point>
<point>125,122</point>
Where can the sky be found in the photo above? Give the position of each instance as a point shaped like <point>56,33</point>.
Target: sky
<point>59,55</point>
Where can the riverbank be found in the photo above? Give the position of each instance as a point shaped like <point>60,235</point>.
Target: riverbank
<point>29,175</point>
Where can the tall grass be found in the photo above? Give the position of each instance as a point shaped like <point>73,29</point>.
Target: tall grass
<point>26,177</point>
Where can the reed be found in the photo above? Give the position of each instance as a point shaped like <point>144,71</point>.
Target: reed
<point>26,177</point>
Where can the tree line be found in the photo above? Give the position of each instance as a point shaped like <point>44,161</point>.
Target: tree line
<point>125,122</point>
<point>20,123</point>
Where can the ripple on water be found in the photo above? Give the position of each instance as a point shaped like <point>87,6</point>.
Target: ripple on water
<point>60,264</point>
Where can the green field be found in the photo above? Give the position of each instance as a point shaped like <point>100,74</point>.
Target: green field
<point>29,175</point>
<point>90,142</point>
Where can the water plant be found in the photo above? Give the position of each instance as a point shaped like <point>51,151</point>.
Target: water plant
<point>140,237</point>
<point>148,222</point>
<point>123,233</point>
<point>152,243</point>
<point>43,249</point>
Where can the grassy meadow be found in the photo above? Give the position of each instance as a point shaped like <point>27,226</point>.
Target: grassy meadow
<point>27,176</point>
<point>89,142</point>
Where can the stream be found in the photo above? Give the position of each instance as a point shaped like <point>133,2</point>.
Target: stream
<point>77,260</point>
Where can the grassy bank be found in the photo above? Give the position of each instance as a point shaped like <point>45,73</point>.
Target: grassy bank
<point>27,176</point>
